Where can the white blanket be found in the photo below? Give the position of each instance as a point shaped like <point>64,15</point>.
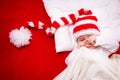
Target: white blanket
<point>87,66</point>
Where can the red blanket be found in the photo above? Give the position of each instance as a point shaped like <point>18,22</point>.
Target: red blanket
<point>37,61</point>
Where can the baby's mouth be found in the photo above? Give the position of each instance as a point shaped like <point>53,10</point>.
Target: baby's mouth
<point>89,45</point>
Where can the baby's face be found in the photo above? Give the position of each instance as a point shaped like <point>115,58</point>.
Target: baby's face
<point>86,41</point>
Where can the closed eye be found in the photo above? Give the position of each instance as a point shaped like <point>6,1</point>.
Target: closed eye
<point>81,39</point>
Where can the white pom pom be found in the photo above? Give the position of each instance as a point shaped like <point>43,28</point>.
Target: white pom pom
<point>20,37</point>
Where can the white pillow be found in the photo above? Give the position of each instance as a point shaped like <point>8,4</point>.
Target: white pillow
<point>63,39</point>
<point>72,5</point>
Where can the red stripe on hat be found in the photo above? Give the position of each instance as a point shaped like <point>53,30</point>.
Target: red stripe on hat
<point>87,17</point>
<point>72,17</point>
<point>56,24</point>
<point>81,12</point>
<point>88,12</point>
<point>85,27</point>
<point>36,24</point>
<point>64,20</point>
<point>45,26</point>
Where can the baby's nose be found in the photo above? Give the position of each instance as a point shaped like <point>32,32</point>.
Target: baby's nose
<point>88,41</point>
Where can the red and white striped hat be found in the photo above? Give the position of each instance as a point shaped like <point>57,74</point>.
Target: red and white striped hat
<point>64,20</point>
<point>86,24</point>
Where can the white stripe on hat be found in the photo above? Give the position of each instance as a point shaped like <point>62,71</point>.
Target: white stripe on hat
<point>86,31</point>
<point>86,21</point>
<point>31,24</point>
<point>69,19</point>
<point>40,25</point>
<point>82,16</point>
<point>48,30</point>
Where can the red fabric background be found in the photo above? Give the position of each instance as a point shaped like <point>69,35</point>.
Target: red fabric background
<point>38,61</point>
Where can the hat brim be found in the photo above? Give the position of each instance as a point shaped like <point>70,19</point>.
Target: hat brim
<point>85,32</point>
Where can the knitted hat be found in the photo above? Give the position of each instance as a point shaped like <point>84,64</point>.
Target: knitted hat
<point>85,24</point>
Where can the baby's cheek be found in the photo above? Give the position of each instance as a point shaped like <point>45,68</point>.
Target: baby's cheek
<point>81,44</point>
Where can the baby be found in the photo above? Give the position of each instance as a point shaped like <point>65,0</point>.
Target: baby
<point>89,60</point>
<point>87,34</point>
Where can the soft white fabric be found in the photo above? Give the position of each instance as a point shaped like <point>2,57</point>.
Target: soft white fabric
<point>88,65</point>
<point>107,12</point>
<point>63,42</point>
<point>116,60</point>
<point>111,45</point>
